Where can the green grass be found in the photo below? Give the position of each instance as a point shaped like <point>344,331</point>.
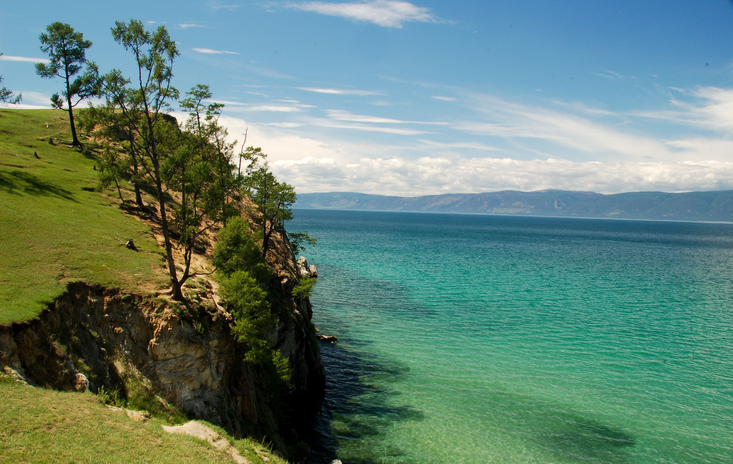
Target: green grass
<point>45,426</point>
<point>53,229</point>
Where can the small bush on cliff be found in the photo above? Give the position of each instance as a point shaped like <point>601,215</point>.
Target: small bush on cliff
<point>236,250</point>
<point>246,301</point>
<point>304,289</point>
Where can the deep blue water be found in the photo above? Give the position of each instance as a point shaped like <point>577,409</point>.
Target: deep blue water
<point>474,339</point>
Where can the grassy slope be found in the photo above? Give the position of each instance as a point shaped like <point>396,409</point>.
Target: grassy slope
<point>41,426</point>
<point>52,231</point>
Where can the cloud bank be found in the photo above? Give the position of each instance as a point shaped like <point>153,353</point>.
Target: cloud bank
<point>425,176</point>
<point>500,145</point>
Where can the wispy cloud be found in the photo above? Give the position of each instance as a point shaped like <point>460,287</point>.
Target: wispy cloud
<point>24,59</point>
<point>451,146</point>
<point>386,13</point>
<point>209,51</point>
<point>383,130</point>
<point>190,25</point>
<point>216,6</point>
<point>274,108</point>
<point>340,115</point>
<point>340,91</point>
<point>585,137</point>
<point>609,74</point>
<point>711,108</point>
<point>448,99</point>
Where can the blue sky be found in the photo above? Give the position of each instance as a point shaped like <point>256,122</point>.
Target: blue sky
<point>435,96</point>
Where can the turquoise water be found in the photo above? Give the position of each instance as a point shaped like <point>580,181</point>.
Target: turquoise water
<point>476,339</point>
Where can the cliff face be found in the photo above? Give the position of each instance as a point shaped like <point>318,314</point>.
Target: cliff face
<point>183,354</point>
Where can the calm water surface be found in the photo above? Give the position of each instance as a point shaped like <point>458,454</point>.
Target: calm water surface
<point>476,339</point>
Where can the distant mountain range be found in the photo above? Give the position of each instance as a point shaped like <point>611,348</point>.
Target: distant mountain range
<point>693,206</point>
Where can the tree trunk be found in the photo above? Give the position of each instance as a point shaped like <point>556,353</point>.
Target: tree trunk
<point>74,139</point>
<point>175,285</point>
<point>138,195</point>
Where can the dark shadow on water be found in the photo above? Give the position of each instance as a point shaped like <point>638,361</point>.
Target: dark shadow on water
<point>16,182</point>
<point>358,407</point>
<point>373,295</point>
<point>580,439</point>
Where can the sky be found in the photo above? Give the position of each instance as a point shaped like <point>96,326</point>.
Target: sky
<point>434,96</point>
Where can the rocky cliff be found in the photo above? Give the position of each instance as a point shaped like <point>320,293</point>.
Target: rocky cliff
<point>160,353</point>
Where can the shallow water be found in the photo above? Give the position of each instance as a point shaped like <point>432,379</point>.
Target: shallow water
<point>474,339</point>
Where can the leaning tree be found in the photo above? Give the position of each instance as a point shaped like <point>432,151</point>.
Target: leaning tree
<point>142,104</point>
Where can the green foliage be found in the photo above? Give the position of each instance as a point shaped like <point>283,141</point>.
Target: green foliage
<point>193,165</point>
<point>111,170</point>
<point>140,110</point>
<point>197,164</point>
<point>304,289</point>
<point>299,240</point>
<point>274,200</point>
<point>111,398</point>
<point>247,302</point>
<point>235,250</point>
<point>244,276</point>
<point>66,50</point>
<point>282,366</point>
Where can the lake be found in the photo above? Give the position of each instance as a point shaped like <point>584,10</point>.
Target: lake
<point>477,339</point>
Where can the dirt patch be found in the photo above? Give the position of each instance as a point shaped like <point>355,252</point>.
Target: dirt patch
<point>199,430</point>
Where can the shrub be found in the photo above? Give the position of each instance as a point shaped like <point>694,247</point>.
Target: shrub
<point>236,250</point>
<point>304,289</point>
<point>247,302</point>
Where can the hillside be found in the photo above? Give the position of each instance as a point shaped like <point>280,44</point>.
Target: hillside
<point>54,227</point>
<point>81,312</point>
<point>693,206</point>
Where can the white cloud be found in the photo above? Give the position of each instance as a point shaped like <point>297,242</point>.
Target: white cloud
<point>287,125</point>
<point>339,115</point>
<point>386,13</point>
<point>339,91</point>
<point>359,127</point>
<point>189,25</point>
<point>715,112</point>
<point>273,108</point>
<point>209,51</point>
<point>609,74</point>
<point>448,99</point>
<point>31,101</point>
<point>217,7</point>
<point>588,139</point>
<point>23,59</point>
<point>424,176</point>
<point>501,145</point>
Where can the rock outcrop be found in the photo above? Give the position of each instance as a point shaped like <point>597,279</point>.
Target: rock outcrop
<point>107,340</point>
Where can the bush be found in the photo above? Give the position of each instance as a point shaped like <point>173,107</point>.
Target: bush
<point>247,302</point>
<point>236,250</point>
<point>304,289</point>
